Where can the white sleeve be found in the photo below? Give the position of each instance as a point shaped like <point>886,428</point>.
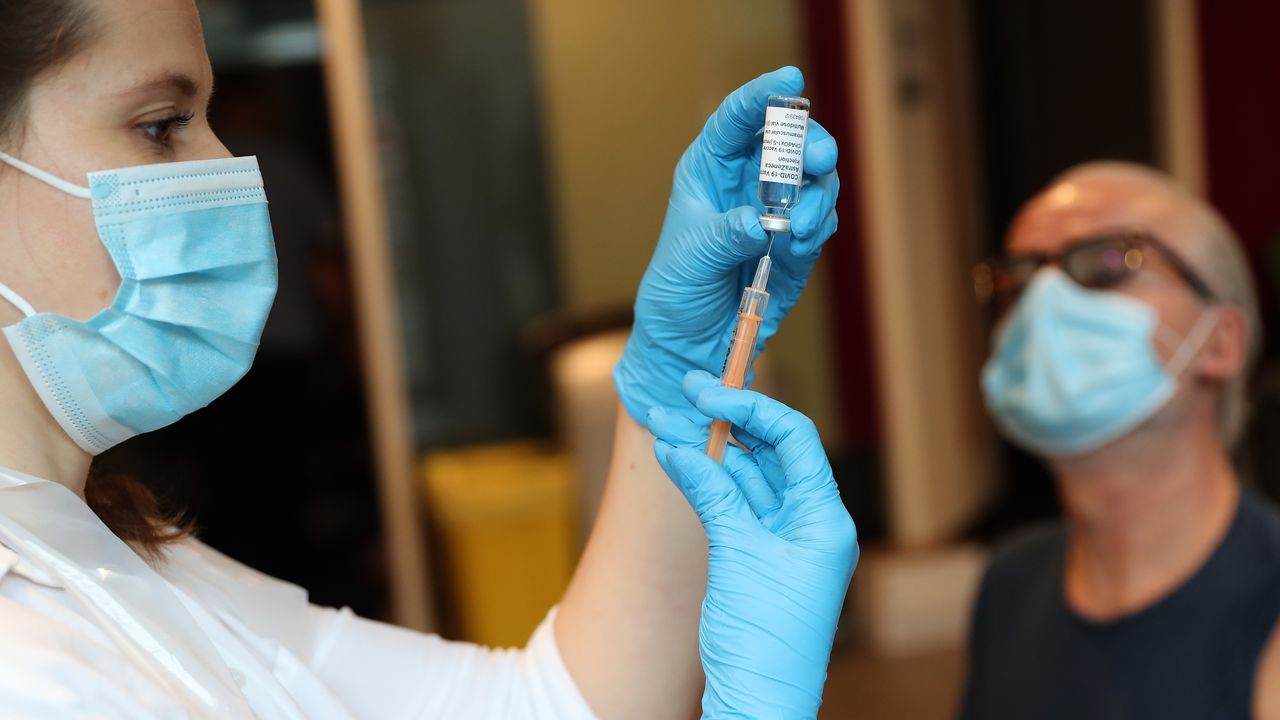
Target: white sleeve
<point>383,671</point>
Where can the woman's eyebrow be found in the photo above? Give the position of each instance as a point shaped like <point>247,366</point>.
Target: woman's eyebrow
<point>183,84</point>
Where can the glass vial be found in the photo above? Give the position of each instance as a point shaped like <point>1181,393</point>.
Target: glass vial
<point>786,122</point>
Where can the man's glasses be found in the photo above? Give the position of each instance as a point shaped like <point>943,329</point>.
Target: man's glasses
<point>1098,262</point>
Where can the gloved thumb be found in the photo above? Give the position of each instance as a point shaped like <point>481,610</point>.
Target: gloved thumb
<point>712,493</point>
<point>736,237</point>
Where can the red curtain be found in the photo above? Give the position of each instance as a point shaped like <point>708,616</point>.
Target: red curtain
<point>828,74</point>
<point>1240,67</point>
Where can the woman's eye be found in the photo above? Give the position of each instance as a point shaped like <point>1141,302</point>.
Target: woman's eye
<point>160,131</point>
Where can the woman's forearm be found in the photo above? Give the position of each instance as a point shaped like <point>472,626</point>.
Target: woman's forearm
<point>628,625</point>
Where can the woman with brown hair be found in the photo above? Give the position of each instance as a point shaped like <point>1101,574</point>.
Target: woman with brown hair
<point>137,271</point>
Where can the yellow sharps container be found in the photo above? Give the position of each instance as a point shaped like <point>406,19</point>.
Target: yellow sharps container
<point>504,517</point>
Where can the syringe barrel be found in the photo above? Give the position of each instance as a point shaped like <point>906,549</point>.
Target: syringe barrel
<point>786,122</point>
<point>753,306</point>
<point>718,440</point>
<point>737,364</point>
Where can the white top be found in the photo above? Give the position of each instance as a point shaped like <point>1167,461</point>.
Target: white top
<point>88,630</point>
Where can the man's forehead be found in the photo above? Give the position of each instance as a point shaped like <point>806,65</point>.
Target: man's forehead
<point>1089,203</point>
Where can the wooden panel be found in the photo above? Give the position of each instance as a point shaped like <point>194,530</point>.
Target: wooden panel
<point>1178,93</point>
<point>364,210</point>
<point>917,177</point>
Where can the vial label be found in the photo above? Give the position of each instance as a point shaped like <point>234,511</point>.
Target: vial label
<point>782,157</point>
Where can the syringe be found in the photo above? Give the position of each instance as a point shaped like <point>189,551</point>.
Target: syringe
<point>742,348</point>
<point>781,171</point>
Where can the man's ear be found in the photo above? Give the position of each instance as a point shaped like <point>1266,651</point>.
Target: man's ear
<point>1224,353</point>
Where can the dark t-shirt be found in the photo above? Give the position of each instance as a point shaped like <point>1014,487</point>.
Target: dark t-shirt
<point>1191,655</point>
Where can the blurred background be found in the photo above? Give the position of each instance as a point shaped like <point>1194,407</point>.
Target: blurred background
<point>466,192</point>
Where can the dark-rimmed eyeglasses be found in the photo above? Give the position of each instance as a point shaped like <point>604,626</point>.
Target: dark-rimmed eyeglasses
<point>1099,262</point>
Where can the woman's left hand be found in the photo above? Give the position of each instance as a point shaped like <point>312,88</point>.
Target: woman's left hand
<point>782,549</point>
<point>710,242</point>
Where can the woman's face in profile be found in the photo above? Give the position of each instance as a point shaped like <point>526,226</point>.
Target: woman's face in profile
<point>136,93</point>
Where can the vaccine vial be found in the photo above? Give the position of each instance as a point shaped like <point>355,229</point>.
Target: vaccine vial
<point>786,122</point>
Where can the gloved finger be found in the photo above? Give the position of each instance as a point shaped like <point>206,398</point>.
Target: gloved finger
<point>735,238</point>
<point>800,259</point>
<point>820,151</point>
<point>817,200</point>
<point>682,430</point>
<point>695,381</point>
<point>793,435</point>
<point>766,458</point>
<point>678,428</point>
<point>759,492</point>
<point>732,129</point>
<point>711,492</point>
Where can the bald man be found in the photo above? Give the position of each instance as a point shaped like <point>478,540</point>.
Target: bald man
<point>1128,324</point>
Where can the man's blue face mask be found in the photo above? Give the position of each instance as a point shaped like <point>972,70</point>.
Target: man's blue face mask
<point>1074,369</point>
<point>192,243</point>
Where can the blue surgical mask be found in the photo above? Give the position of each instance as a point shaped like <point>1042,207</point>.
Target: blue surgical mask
<point>1074,369</point>
<point>192,243</point>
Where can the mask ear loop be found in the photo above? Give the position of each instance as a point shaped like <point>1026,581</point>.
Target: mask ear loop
<point>47,178</point>
<point>1193,342</point>
<point>16,300</point>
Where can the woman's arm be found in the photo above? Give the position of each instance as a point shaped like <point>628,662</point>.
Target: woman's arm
<point>628,626</point>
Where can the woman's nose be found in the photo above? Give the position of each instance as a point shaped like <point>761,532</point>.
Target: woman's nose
<point>213,149</point>
<point>220,150</point>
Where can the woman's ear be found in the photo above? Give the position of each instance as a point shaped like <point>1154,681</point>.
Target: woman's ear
<point>1224,353</point>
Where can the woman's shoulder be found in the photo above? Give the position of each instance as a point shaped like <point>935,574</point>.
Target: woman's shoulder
<point>191,557</point>
<point>270,607</point>
<point>57,664</point>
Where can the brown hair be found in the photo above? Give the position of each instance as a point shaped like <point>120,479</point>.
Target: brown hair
<point>133,513</point>
<point>35,36</point>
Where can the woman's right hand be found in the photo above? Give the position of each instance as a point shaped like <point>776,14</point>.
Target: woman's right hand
<point>782,549</point>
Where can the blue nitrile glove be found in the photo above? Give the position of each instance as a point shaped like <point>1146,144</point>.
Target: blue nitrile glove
<point>782,549</point>
<point>710,244</point>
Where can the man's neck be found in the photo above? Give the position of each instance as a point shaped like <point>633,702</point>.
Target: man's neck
<point>1143,516</point>
<point>30,439</point>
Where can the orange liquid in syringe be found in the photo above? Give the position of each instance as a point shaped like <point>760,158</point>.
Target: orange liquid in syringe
<point>736,367</point>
